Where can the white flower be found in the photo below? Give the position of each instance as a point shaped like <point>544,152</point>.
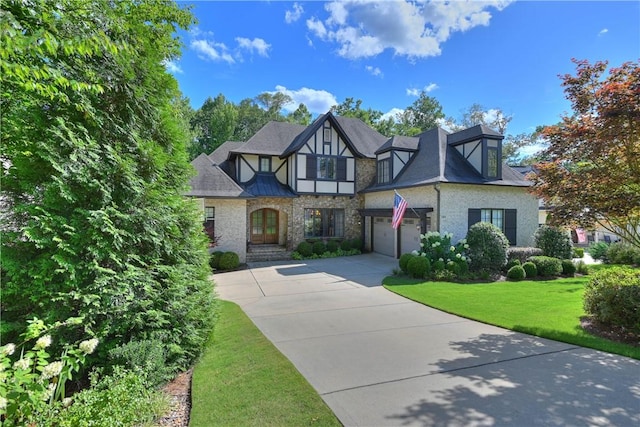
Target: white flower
<point>49,391</point>
<point>8,349</point>
<point>414,252</point>
<point>424,254</point>
<point>466,246</point>
<point>433,245</point>
<point>66,402</point>
<point>440,259</point>
<point>22,364</point>
<point>88,346</point>
<point>459,256</point>
<point>53,369</point>
<point>43,342</point>
<point>452,248</point>
<point>3,403</point>
<point>437,243</point>
<point>421,244</point>
<point>463,258</point>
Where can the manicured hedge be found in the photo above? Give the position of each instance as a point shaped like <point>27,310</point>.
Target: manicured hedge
<point>613,296</point>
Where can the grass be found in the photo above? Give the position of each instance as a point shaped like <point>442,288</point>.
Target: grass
<point>243,380</point>
<point>549,309</point>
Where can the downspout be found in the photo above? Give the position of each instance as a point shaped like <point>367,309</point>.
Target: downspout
<point>436,187</point>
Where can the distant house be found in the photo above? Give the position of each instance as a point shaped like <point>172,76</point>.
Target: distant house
<point>335,179</point>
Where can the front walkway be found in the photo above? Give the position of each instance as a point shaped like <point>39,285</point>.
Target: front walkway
<point>378,359</point>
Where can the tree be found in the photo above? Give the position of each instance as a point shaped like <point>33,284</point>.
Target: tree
<point>476,114</point>
<point>591,172</point>
<point>94,167</point>
<point>301,116</point>
<point>251,117</point>
<point>424,114</point>
<point>273,103</point>
<point>213,124</point>
<point>351,108</point>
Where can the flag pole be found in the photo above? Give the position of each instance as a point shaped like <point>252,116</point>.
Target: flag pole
<point>413,210</point>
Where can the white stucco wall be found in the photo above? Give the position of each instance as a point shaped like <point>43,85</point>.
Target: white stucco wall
<point>231,225</point>
<point>457,199</point>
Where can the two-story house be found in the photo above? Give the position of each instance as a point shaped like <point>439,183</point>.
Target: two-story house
<point>335,179</point>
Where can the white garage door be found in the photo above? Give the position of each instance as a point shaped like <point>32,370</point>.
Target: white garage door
<point>383,236</point>
<point>409,235</point>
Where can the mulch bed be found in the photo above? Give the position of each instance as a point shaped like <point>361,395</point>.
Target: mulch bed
<point>179,392</point>
<point>613,333</point>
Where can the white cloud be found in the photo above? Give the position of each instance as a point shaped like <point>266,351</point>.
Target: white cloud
<point>375,71</point>
<point>365,28</point>
<point>603,31</point>
<point>393,114</point>
<point>291,16</point>
<point>172,67</point>
<point>256,45</point>
<point>414,91</point>
<point>211,51</point>
<point>317,101</point>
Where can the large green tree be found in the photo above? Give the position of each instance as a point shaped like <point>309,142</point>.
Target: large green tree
<point>423,114</point>
<point>212,125</point>
<point>94,166</point>
<point>591,172</point>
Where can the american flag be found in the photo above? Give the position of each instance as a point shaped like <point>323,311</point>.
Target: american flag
<point>399,206</point>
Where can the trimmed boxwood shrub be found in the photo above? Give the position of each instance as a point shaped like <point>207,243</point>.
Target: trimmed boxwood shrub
<point>345,245</point>
<point>568,268</point>
<point>487,247</point>
<point>554,242</point>
<point>622,253</point>
<point>319,247</point>
<point>613,296</point>
<point>439,265</point>
<point>578,252</point>
<point>404,260</point>
<point>305,249</point>
<point>523,253</point>
<point>419,267</point>
<point>512,263</point>
<point>214,259</point>
<point>547,266</point>
<point>582,268</point>
<point>598,250</point>
<point>229,261</point>
<point>516,273</point>
<point>332,246</point>
<point>530,269</point>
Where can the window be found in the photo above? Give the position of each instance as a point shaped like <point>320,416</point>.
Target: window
<point>384,171</point>
<point>210,222</point>
<point>492,162</point>
<point>265,164</point>
<point>326,167</point>
<point>504,219</point>
<point>323,223</point>
<point>494,216</point>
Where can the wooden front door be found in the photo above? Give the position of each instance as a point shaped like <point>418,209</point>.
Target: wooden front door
<point>264,226</point>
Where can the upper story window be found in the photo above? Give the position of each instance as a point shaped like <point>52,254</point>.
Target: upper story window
<point>384,171</point>
<point>492,162</point>
<point>265,164</point>
<point>327,167</point>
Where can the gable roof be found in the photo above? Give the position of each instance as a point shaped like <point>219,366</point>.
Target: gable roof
<point>272,139</point>
<point>221,154</point>
<point>211,181</point>
<point>437,160</point>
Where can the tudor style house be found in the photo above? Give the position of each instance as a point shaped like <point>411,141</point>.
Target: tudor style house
<point>336,178</point>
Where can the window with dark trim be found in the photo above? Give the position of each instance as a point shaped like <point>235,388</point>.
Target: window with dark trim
<point>326,167</point>
<point>504,219</point>
<point>265,164</point>
<point>492,162</point>
<point>210,222</point>
<point>384,171</point>
<point>323,222</point>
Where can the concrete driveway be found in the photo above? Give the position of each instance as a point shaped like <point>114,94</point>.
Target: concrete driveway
<point>378,359</point>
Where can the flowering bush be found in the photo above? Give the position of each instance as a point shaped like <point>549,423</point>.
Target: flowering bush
<point>442,254</point>
<point>32,382</point>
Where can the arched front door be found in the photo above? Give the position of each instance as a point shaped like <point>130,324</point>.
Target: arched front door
<point>264,226</point>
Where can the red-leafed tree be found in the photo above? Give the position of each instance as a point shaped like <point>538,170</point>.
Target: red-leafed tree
<point>591,172</point>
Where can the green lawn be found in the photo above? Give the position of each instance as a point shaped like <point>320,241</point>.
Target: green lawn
<point>549,309</point>
<point>243,380</point>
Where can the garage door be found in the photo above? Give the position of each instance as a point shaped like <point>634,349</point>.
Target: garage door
<point>409,235</point>
<point>383,236</point>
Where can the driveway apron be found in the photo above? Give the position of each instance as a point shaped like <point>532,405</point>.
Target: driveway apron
<point>378,359</point>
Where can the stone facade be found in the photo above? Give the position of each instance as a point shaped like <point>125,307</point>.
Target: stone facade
<point>284,206</point>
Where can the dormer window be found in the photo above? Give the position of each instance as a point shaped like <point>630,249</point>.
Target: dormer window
<point>492,159</point>
<point>265,164</point>
<point>384,171</point>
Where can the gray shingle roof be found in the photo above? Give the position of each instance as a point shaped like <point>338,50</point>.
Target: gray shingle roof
<point>400,143</point>
<point>221,154</point>
<point>211,181</point>
<point>272,139</point>
<point>474,132</point>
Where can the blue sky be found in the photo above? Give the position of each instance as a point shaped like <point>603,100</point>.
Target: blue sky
<point>500,54</point>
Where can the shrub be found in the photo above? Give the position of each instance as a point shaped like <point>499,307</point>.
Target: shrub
<point>305,249</point>
<point>613,296</point>
<point>229,261</point>
<point>345,245</point>
<point>598,250</point>
<point>547,266</point>
<point>319,247</point>
<point>512,263</point>
<point>554,242</point>
<point>439,265</point>
<point>530,269</point>
<point>622,253</point>
<point>578,252</point>
<point>516,273</point>
<point>356,244</point>
<point>214,260</point>
<point>582,268</point>
<point>147,357</point>
<point>568,267</point>
<point>419,267</point>
<point>404,260</point>
<point>487,247</point>
<point>523,253</point>
<point>332,246</point>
